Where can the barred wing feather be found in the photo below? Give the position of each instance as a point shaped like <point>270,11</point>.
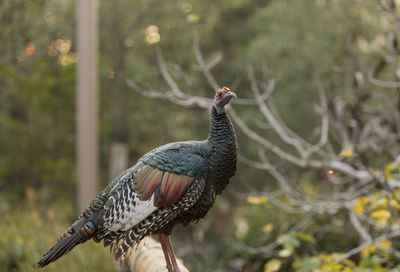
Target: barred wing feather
<point>149,196</point>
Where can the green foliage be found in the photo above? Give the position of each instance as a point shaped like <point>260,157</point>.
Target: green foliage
<point>307,264</point>
<point>288,241</point>
<point>32,230</point>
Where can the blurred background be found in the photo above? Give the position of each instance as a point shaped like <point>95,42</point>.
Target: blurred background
<point>318,121</point>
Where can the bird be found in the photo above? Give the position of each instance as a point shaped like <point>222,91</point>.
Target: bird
<point>173,184</point>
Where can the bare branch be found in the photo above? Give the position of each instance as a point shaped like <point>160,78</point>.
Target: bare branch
<point>358,227</point>
<point>333,164</point>
<point>185,77</point>
<point>268,115</point>
<point>212,81</point>
<point>215,60</point>
<point>268,167</point>
<point>196,48</point>
<point>381,83</point>
<point>267,250</point>
<point>264,142</point>
<point>166,75</point>
<point>389,250</point>
<point>171,96</point>
<point>367,244</point>
<point>324,119</point>
<point>178,97</point>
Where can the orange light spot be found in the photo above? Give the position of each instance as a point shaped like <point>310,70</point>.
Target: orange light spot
<point>30,49</point>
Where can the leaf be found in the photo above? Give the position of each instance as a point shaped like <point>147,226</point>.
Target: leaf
<point>272,265</point>
<point>267,228</point>
<point>257,200</point>
<point>193,18</point>
<point>305,237</point>
<point>381,222</point>
<point>397,193</point>
<point>386,243</point>
<point>380,214</point>
<point>359,204</point>
<point>394,203</point>
<point>349,263</point>
<point>368,251</point>
<point>380,202</point>
<point>327,258</point>
<point>242,228</point>
<point>348,153</point>
<point>375,171</point>
<point>286,252</point>
<point>288,240</point>
<point>391,168</point>
<point>307,264</point>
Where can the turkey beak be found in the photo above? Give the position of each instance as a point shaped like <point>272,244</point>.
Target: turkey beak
<point>231,94</point>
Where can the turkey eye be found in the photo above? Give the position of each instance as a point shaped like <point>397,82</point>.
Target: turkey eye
<point>220,94</point>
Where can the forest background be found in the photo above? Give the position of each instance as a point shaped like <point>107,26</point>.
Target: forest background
<point>318,122</point>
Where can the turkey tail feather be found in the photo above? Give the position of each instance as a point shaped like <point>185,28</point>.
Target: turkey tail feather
<point>65,244</point>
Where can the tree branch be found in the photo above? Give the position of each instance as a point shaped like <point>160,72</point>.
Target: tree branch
<point>148,256</point>
<point>367,244</point>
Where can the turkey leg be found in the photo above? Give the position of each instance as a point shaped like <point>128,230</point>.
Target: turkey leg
<point>172,265</point>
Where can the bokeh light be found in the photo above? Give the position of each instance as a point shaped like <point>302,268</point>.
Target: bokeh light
<point>152,34</point>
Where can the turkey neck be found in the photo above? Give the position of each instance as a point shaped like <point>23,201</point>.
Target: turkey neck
<point>221,149</point>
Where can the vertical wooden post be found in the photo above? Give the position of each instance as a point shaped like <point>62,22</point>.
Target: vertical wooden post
<point>87,102</point>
